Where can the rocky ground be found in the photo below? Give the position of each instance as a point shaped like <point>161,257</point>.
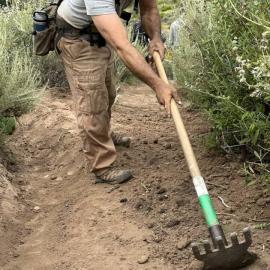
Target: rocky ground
<point>54,217</point>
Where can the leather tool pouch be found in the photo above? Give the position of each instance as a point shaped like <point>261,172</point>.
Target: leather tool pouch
<point>45,29</point>
<point>43,42</point>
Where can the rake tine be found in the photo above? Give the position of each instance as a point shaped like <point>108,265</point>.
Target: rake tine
<point>234,239</point>
<point>207,246</point>
<point>220,243</point>
<point>195,250</point>
<point>247,235</point>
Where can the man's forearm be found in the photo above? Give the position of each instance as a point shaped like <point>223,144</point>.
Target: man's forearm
<point>150,18</point>
<point>136,64</point>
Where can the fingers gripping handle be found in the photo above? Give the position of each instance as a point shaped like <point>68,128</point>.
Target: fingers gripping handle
<point>181,130</point>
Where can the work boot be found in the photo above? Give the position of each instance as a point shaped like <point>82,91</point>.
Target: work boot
<point>120,140</point>
<point>113,176</point>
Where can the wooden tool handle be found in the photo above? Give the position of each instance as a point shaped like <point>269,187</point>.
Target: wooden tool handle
<point>181,130</point>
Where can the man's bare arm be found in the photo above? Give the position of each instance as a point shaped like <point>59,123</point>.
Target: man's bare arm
<point>150,18</point>
<point>151,24</point>
<point>112,29</point>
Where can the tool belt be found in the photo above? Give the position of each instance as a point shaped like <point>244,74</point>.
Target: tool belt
<point>89,33</point>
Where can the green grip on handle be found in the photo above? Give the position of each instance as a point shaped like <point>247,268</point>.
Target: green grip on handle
<point>208,210</point>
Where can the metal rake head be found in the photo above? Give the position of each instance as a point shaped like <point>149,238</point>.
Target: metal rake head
<point>226,256</point>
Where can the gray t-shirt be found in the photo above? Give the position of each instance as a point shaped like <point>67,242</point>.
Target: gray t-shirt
<point>78,12</point>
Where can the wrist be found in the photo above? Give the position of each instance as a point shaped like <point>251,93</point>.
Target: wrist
<point>156,38</point>
<point>157,85</point>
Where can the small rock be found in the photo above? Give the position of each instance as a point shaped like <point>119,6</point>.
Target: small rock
<point>36,208</point>
<point>113,188</point>
<point>163,210</point>
<point>163,197</point>
<point>150,225</point>
<point>243,219</point>
<point>157,239</point>
<point>23,189</point>
<point>261,202</point>
<point>141,203</point>
<point>173,223</point>
<point>145,142</point>
<point>162,190</point>
<point>186,105</point>
<point>144,259</point>
<point>70,173</point>
<point>183,243</point>
<point>152,161</point>
<point>147,240</point>
<point>168,146</point>
<point>53,177</point>
<point>123,200</point>
<point>155,141</point>
<point>180,202</point>
<point>16,255</point>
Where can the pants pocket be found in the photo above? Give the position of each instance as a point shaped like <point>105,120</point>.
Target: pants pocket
<point>70,48</point>
<point>92,97</point>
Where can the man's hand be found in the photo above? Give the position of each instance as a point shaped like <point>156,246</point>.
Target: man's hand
<point>158,46</point>
<point>165,93</point>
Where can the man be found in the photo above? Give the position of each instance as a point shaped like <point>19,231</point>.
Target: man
<point>175,27</point>
<point>90,31</point>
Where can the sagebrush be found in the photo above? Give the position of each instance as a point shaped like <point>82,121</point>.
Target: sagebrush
<point>223,62</point>
<point>22,74</point>
<point>19,78</point>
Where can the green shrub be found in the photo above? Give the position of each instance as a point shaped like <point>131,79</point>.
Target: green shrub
<point>51,70</point>
<point>22,73</point>
<point>167,10</point>
<point>223,62</point>
<point>7,125</point>
<point>19,78</point>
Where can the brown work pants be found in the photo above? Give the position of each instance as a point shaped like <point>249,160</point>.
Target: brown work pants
<point>90,73</point>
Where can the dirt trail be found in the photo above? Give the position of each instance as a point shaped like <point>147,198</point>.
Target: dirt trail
<point>68,222</point>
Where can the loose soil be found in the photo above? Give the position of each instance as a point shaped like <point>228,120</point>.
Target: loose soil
<point>62,220</point>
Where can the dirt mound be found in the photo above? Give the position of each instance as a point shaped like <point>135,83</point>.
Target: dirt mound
<point>147,223</point>
<point>8,194</point>
<point>9,207</point>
